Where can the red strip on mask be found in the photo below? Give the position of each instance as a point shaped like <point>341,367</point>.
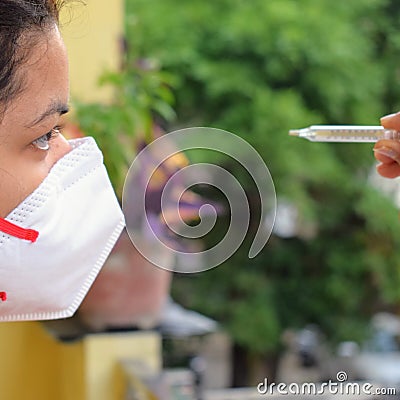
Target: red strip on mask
<point>14,230</point>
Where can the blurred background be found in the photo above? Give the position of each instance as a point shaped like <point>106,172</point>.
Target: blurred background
<point>324,294</point>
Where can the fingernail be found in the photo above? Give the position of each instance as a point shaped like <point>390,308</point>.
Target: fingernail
<point>388,152</point>
<point>387,117</point>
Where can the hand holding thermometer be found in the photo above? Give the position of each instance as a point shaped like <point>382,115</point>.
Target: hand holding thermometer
<point>345,133</point>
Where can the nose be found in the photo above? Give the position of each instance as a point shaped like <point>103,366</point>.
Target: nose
<point>59,148</point>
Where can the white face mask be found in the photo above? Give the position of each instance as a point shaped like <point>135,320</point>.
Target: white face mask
<point>59,238</point>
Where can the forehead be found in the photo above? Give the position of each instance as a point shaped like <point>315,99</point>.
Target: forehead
<point>44,79</point>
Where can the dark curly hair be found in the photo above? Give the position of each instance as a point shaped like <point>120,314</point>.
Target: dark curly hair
<point>21,22</point>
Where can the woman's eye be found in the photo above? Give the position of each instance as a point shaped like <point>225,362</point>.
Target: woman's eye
<point>42,143</point>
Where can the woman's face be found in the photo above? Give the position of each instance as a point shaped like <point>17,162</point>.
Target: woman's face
<point>29,116</point>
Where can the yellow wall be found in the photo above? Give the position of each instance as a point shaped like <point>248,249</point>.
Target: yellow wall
<point>92,33</point>
<point>34,365</point>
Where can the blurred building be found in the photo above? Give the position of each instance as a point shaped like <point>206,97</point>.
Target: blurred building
<point>93,33</point>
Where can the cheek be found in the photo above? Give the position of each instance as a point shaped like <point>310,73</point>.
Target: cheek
<point>20,176</point>
<point>11,192</point>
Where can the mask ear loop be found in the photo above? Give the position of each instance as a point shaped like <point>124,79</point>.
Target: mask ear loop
<point>11,229</point>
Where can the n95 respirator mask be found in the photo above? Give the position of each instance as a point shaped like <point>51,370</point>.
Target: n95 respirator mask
<point>54,243</point>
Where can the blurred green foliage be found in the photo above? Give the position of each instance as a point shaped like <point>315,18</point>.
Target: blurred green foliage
<point>259,68</point>
<point>141,91</point>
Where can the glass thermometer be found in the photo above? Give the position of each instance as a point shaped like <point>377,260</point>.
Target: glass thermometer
<point>345,133</point>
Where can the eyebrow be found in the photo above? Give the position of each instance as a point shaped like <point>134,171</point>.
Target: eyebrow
<point>55,107</point>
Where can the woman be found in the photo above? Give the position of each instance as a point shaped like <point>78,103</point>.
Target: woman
<point>59,217</point>
<point>33,96</point>
<point>388,151</point>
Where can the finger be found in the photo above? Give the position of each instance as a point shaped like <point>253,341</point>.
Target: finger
<point>391,121</point>
<point>388,148</point>
<point>389,170</point>
<point>383,158</point>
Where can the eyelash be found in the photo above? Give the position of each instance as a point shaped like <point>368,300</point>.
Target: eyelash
<point>42,143</point>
